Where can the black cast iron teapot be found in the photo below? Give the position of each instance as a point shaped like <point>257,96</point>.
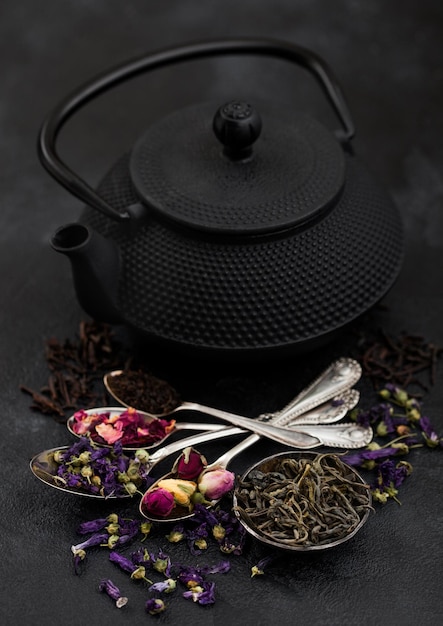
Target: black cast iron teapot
<point>233,229</point>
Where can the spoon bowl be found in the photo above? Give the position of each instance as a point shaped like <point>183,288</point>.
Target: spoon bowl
<point>44,467</point>
<point>85,422</point>
<point>279,525</point>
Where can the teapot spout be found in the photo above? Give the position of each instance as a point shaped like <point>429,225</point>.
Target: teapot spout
<point>95,263</point>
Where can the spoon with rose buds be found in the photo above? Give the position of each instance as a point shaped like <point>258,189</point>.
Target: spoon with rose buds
<point>171,497</point>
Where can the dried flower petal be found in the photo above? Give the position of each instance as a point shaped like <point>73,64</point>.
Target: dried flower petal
<point>154,606</point>
<point>113,592</point>
<point>213,484</point>
<point>158,502</point>
<point>203,594</point>
<point>190,464</point>
<point>182,490</point>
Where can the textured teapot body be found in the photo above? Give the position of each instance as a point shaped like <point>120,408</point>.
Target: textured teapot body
<point>233,230</point>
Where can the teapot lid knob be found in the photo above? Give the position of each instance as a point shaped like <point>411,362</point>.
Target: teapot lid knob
<point>237,125</point>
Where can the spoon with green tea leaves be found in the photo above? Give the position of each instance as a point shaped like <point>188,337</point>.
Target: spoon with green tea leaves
<point>305,488</point>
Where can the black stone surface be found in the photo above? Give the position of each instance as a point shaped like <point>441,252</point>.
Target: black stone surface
<point>388,57</point>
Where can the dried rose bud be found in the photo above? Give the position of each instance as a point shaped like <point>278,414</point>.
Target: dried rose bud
<point>190,464</point>
<point>215,483</point>
<point>158,502</point>
<point>182,490</point>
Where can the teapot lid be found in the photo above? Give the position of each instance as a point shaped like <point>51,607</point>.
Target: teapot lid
<point>275,170</point>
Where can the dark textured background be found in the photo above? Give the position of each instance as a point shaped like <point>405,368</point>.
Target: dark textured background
<point>388,57</point>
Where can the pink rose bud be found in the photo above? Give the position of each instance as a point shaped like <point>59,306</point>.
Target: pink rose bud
<point>190,464</point>
<point>215,483</point>
<point>158,502</point>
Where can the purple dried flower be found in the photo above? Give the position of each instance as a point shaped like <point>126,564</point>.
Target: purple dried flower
<point>154,606</point>
<point>196,539</point>
<point>203,594</point>
<point>79,550</point>
<point>190,576</point>
<point>97,524</point>
<point>177,534</point>
<point>389,477</point>
<point>113,592</point>
<point>137,572</point>
<point>161,563</point>
<point>360,458</point>
<point>430,436</point>
<point>259,568</point>
<point>219,568</point>
<point>391,474</point>
<point>166,586</point>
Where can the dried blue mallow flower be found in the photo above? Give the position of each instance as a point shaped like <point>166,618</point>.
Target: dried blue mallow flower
<point>190,576</point>
<point>137,572</point>
<point>259,568</point>
<point>218,568</point>
<point>224,526</point>
<point>390,476</point>
<point>97,524</point>
<point>145,529</point>
<point>196,539</point>
<point>177,534</point>
<point>141,557</point>
<point>154,606</point>
<point>430,436</point>
<point>368,457</point>
<point>113,592</point>
<point>203,593</point>
<point>165,586</point>
<point>79,550</point>
<point>161,563</point>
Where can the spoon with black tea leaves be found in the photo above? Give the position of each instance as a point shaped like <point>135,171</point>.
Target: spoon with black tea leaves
<point>336,379</point>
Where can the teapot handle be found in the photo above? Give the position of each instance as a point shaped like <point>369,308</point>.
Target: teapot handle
<point>54,122</point>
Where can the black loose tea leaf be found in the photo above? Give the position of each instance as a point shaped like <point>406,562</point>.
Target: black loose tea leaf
<point>76,368</point>
<point>143,391</point>
<point>400,361</point>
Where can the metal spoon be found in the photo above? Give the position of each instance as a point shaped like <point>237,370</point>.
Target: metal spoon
<point>337,378</point>
<point>148,419</point>
<point>327,413</point>
<point>337,435</point>
<point>44,468</point>
<point>180,513</point>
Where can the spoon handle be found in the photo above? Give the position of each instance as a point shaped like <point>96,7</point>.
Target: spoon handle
<point>327,413</point>
<point>282,435</point>
<point>346,435</point>
<point>178,446</point>
<point>335,379</point>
